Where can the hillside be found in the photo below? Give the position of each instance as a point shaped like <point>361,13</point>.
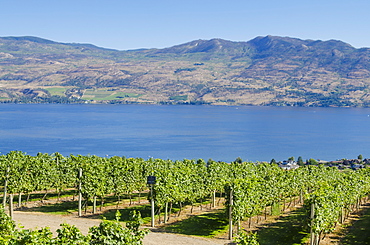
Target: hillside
<point>264,71</point>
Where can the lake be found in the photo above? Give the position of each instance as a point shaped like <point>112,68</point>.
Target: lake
<point>175,132</point>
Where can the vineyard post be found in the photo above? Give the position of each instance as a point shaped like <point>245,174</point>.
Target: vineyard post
<point>19,199</point>
<point>5,186</point>
<point>214,199</point>
<point>312,240</point>
<point>165,212</point>
<point>11,205</point>
<point>151,182</point>
<point>94,205</point>
<point>79,193</point>
<point>231,215</point>
<point>152,204</point>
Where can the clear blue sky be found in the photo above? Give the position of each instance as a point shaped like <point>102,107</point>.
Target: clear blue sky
<point>123,24</point>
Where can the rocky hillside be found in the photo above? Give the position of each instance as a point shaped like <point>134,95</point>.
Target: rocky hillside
<point>264,71</point>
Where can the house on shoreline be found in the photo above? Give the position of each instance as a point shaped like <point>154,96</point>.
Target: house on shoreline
<point>350,164</point>
<point>288,165</point>
<point>353,164</point>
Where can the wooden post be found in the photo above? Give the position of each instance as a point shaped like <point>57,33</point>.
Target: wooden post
<point>79,193</point>
<point>231,216</point>
<point>5,186</point>
<point>11,206</point>
<point>265,212</point>
<point>214,199</point>
<point>20,200</point>
<point>152,204</point>
<point>151,182</point>
<point>94,205</point>
<point>165,212</point>
<point>312,240</point>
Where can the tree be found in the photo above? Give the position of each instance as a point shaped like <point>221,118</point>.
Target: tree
<point>360,157</point>
<point>291,159</point>
<point>273,161</point>
<point>312,161</point>
<point>238,160</point>
<point>300,161</point>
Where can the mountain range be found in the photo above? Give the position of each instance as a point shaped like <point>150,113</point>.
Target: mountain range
<point>268,71</point>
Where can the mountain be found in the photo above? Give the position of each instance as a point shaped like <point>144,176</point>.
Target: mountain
<point>268,70</point>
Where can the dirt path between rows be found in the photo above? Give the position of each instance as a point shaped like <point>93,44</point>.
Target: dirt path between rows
<point>32,220</point>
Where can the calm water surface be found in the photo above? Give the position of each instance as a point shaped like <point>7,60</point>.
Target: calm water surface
<point>178,132</point>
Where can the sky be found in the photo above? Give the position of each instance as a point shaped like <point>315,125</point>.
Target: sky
<point>134,24</point>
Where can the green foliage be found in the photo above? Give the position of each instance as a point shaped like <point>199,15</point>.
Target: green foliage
<point>275,209</point>
<point>312,162</point>
<point>238,160</point>
<point>359,233</point>
<point>334,195</point>
<point>179,97</point>
<point>145,213</point>
<point>184,69</point>
<point>135,220</point>
<point>360,157</point>
<point>300,161</point>
<point>108,232</point>
<point>56,91</point>
<point>7,227</point>
<point>254,188</point>
<point>70,235</point>
<point>244,238</point>
<point>112,232</point>
<point>105,94</point>
<point>41,236</point>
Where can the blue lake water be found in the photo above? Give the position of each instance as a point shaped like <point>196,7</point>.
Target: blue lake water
<point>177,132</point>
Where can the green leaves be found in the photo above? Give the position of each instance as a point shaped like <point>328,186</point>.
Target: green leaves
<point>107,232</point>
<point>254,186</point>
<point>333,194</point>
<point>244,238</point>
<point>7,227</point>
<point>112,232</point>
<point>70,235</point>
<point>41,236</point>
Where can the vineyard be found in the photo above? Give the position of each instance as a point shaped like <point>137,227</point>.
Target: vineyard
<point>328,196</point>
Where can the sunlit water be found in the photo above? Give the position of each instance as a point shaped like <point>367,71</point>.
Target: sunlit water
<point>192,132</point>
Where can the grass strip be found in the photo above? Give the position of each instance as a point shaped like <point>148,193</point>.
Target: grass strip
<point>205,225</point>
<point>286,230</point>
<point>359,231</point>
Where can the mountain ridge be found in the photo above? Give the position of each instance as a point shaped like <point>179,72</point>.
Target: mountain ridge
<point>269,70</point>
